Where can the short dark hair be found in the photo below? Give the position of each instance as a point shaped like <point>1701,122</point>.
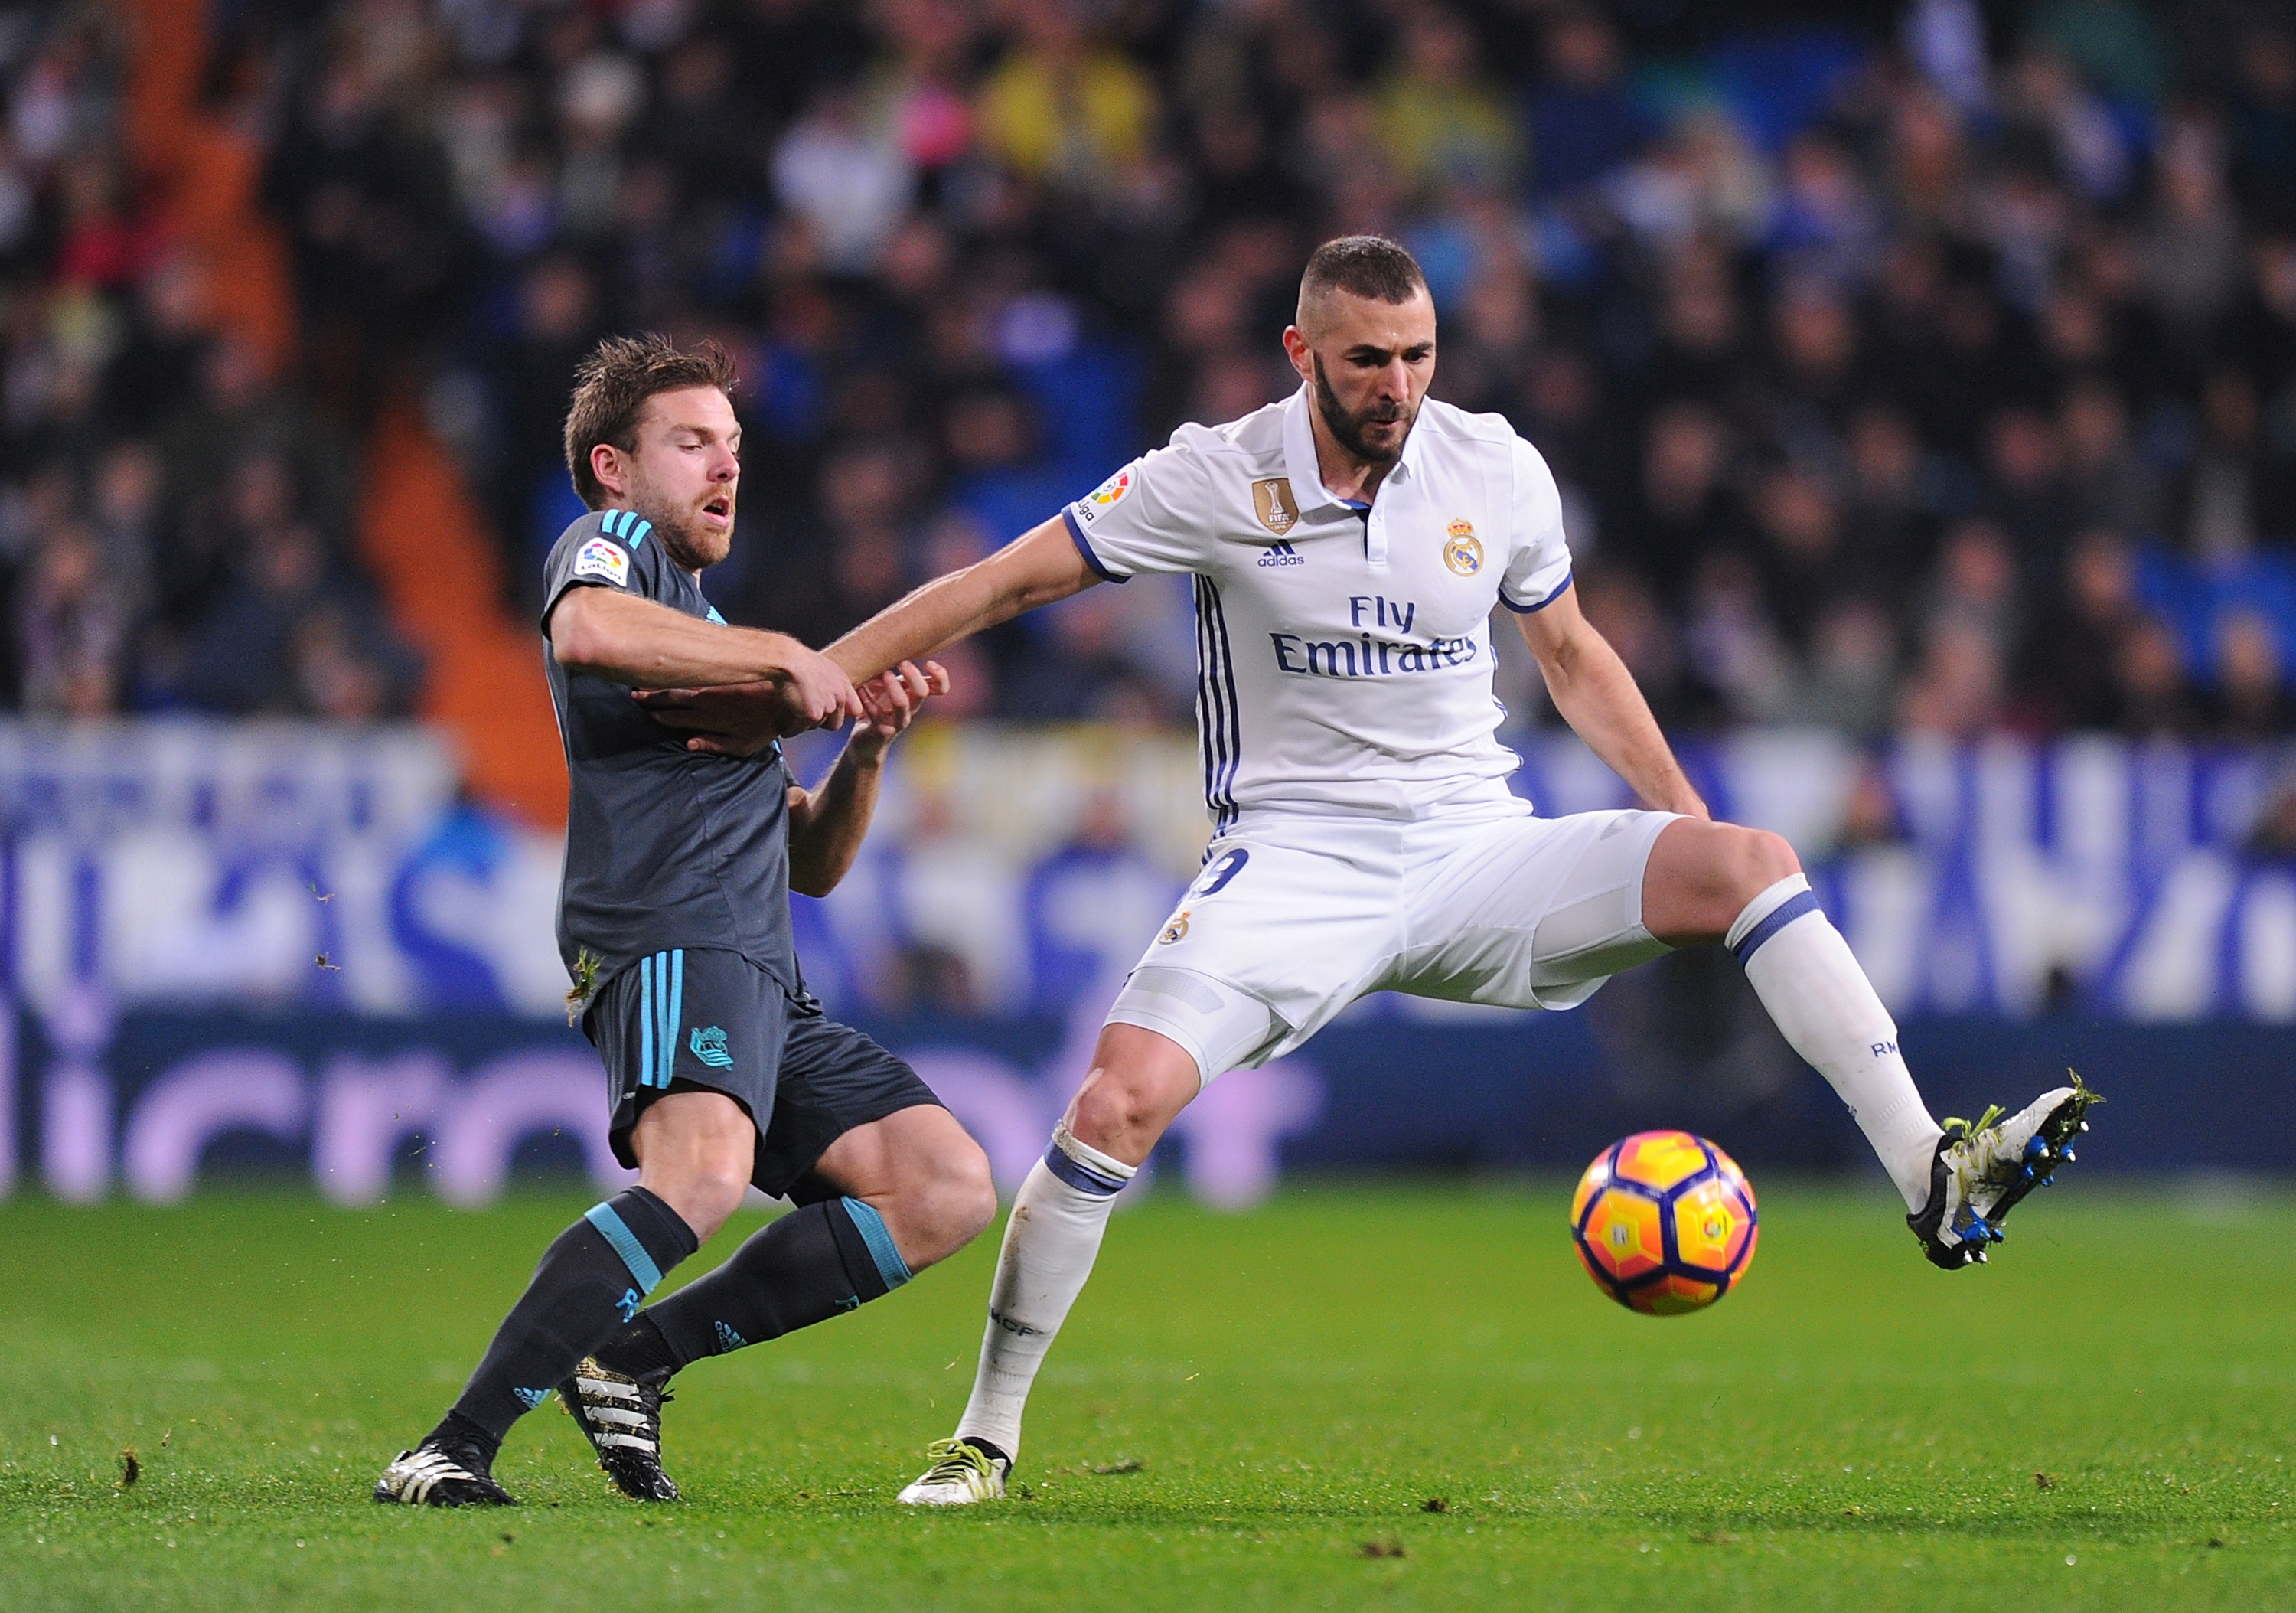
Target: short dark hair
<point>611,389</point>
<point>1364,266</point>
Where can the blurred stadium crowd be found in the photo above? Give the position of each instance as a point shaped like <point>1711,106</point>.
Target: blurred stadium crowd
<point>1925,367</point>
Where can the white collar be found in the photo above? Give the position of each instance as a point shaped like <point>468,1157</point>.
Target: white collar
<point>1300,466</point>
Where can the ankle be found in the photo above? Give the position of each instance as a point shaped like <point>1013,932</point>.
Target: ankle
<point>469,1443</point>
<point>640,1351</point>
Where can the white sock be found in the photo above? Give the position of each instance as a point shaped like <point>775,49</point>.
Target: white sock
<point>1806,977</point>
<point>1058,1217</point>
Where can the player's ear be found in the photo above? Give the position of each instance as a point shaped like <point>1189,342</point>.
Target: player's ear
<point>1297,349</point>
<point>606,463</point>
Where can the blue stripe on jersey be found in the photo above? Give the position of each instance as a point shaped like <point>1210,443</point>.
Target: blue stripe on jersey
<point>638,538</point>
<point>645,1022</point>
<point>1211,718</point>
<point>617,1231</point>
<point>1560,589</point>
<point>1224,668</point>
<point>1796,906</point>
<point>1077,537</point>
<point>1235,710</point>
<point>612,524</point>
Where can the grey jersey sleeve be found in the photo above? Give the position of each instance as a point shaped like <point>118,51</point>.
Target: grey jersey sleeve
<point>604,549</point>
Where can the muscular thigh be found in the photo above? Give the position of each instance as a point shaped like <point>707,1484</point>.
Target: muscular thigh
<point>1531,912</point>
<point>834,1080</point>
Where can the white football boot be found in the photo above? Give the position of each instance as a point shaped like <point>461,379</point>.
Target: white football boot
<point>1982,1172</point>
<point>962,1473</point>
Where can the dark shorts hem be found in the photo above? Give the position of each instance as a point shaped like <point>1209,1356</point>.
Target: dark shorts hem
<point>714,1021</point>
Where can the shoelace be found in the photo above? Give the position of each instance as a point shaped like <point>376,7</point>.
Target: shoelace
<point>954,1459</point>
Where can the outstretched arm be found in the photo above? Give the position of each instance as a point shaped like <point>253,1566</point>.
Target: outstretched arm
<point>649,646</point>
<point>1037,568</point>
<point>826,825</point>
<point>1596,696</point>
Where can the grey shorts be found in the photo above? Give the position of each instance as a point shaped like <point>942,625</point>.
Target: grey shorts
<point>696,1019</point>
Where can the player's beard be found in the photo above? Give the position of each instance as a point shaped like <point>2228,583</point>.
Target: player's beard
<point>691,545</point>
<point>1347,428</point>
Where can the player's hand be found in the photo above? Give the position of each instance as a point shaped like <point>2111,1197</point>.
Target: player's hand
<point>742,718</point>
<point>893,700</point>
<point>727,719</point>
<point>819,691</point>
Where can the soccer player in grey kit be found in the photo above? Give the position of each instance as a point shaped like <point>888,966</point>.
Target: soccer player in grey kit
<point>674,922</point>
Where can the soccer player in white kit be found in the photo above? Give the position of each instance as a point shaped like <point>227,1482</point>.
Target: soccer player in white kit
<point>1350,546</point>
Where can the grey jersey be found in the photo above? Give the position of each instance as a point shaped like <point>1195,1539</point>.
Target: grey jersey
<point>665,848</point>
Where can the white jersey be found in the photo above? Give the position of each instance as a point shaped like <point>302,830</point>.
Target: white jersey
<point>1343,650</point>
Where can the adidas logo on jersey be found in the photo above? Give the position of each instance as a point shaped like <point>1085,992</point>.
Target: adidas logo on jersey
<point>1282,553</point>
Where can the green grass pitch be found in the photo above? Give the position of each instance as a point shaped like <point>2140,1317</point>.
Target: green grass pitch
<point>1385,1396</point>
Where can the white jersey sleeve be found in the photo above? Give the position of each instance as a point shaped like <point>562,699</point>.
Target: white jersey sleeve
<point>1149,517</point>
<point>1539,561</point>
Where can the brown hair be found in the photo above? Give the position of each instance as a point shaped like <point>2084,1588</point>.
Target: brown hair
<point>611,389</point>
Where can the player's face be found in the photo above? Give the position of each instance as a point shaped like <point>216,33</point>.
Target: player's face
<point>686,472</point>
<point>1370,363</point>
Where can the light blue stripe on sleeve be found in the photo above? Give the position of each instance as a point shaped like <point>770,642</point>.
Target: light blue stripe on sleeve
<point>638,538</point>
<point>645,1022</point>
<point>873,1232</point>
<point>616,1231</point>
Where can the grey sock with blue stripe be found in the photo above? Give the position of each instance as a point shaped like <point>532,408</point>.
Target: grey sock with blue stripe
<point>812,1263</point>
<point>590,1282</point>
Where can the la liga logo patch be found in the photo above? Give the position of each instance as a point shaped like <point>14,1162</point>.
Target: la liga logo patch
<point>1107,494</point>
<point>603,561</point>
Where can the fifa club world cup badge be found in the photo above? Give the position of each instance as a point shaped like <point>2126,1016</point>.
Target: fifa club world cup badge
<point>1461,551</point>
<point>1271,502</point>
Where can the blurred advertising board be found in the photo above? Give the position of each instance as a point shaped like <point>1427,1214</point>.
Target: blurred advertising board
<point>460,1105</point>
<point>174,864</point>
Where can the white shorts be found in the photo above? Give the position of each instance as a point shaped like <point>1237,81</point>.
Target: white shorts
<point>1295,917</point>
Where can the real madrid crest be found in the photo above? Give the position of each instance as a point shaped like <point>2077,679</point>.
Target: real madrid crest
<point>1462,552</point>
<point>1271,502</point>
<point>1175,930</point>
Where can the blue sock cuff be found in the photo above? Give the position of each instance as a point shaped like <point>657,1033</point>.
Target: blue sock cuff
<point>883,1249</point>
<point>1793,907</point>
<point>650,1237</point>
<point>1079,1175</point>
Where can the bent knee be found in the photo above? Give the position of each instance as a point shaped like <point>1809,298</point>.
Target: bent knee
<point>1122,1114</point>
<point>704,1193</point>
<point>1763,858</point>
<point>944,1206</point>
<point>965,1198</point>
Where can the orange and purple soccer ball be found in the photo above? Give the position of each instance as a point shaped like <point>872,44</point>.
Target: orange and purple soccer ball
<point>1664,1222</point>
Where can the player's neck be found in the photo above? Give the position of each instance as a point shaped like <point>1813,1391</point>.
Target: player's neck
<point>1344,475</point>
